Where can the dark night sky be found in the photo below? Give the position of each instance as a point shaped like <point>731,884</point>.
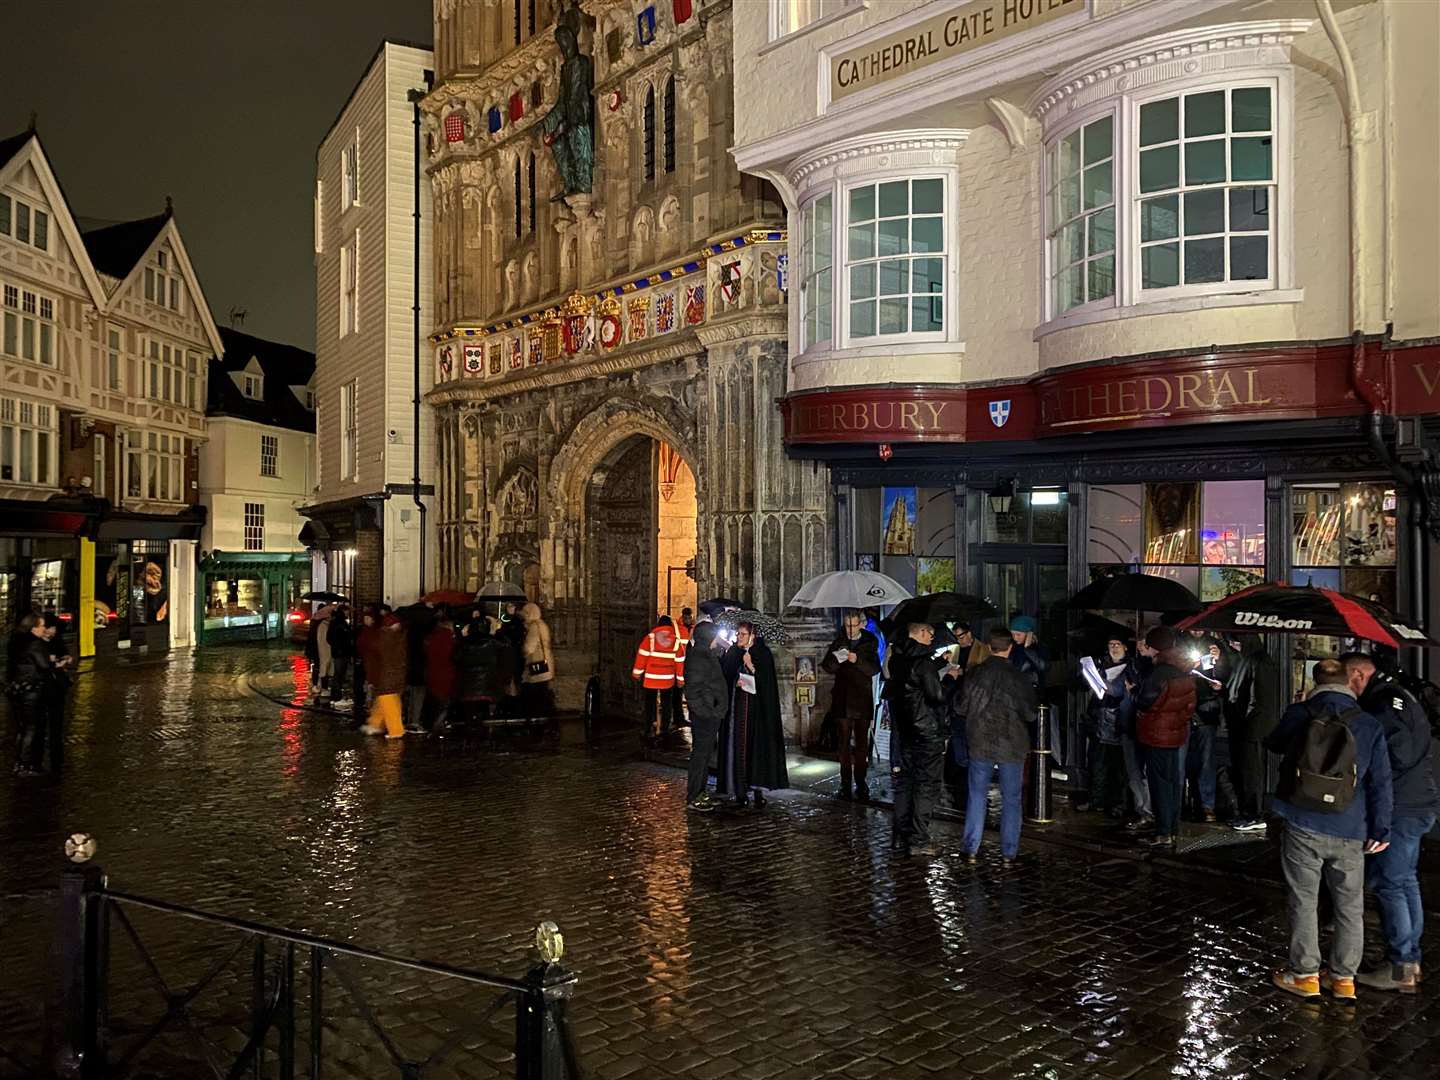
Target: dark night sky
<point>219,103</point>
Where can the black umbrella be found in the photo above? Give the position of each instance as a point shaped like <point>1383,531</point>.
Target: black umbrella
<point>767,626</point>
<point>1093,631</point>
<point>895,630</point>
<point>942,607</point>
<point>1135,592</point>
<point>718,604</point>
<point>323,597</point>
<point>1302,609</point>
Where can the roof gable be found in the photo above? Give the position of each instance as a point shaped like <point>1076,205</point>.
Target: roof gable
<point>24,151</point>
<point>281,368</point>
<point>117,249</point>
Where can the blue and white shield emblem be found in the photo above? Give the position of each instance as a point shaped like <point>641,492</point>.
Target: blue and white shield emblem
<point>1000,412</point>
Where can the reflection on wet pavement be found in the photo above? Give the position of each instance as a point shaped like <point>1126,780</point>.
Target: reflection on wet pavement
<point>787,943</point>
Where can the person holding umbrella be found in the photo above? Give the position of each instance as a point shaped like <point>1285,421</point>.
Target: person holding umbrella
<point>853,658</point>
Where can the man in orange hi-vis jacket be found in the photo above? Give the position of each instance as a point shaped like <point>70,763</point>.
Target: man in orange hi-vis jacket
<point>660,667</point>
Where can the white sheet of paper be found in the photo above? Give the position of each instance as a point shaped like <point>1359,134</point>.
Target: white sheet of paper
<point>746,682</point>
<point>1092,675</point>
<point>842,655</point>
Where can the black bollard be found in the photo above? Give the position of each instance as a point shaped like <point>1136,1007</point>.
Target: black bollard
<point>543,1050</point>
<point>1037,800</point>
<point>77,1050</point>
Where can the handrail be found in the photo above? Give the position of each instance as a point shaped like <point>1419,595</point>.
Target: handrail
<point>312,941</point>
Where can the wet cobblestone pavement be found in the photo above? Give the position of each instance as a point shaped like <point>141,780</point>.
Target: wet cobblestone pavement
<point>785,944</point>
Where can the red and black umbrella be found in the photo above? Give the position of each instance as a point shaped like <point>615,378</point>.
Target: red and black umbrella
<point>1304,609</point>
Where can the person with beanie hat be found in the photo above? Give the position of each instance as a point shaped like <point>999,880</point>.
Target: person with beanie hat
<point>1164,708</point>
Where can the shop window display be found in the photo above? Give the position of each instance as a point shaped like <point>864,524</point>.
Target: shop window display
<point>907,533</point>
<point>233,602</point>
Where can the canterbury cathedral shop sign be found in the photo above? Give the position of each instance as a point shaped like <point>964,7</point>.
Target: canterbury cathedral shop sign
<point>970,26</point>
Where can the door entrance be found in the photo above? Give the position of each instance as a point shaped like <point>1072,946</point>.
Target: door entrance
<point>1029,581</point>
<point>641,517</point>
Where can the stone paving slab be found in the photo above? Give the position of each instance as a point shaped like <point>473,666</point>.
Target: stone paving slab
<point>787,943</point>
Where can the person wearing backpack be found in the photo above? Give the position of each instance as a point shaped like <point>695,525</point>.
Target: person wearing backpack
<point>1393,874</point>
<point>1336,800</point>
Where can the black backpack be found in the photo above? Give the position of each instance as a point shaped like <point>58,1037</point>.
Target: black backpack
<point>1320,772</point>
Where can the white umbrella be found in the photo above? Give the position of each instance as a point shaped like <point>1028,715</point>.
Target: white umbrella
<point>850,589</point>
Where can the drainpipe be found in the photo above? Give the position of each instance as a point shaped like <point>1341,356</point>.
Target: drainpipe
<point>1360,133</point>
<point>416,96</point>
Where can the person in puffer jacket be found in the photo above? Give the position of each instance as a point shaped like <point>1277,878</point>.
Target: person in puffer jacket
<point>1164,708</point>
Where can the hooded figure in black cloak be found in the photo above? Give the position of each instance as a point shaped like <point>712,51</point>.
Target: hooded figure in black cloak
<point>752,742</point>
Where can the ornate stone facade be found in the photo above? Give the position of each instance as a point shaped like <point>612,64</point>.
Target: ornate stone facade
<point>572,330</point>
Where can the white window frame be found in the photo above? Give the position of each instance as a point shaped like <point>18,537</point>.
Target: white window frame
<point>1052,228</point>
<point>809,220</point>
<point>831,11</point>
<point>162,461</point>
<point>270,455</point>
<point>350,286</point>
<point>350,173</point>
<point>254,526</point>
<point>163,285</point>
<point>252,386</point>
<point>841,264</point>
<point>319,216</point>
<point>25,427</point>
<point>28,323</point>
<point>97,481</point>
<point>168,379</point>
<point>1130,299</point>
<point>349,433</point>
<point>114,358</point>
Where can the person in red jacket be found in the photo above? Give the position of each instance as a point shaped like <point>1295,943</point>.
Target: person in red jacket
<point>439,672</point>
<point>1164,707</point>
<point>660,668</point>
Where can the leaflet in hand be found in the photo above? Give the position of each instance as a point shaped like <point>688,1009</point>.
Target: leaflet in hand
<point>841,655</point>
<point>1093,678</point>
<point>746,682</point>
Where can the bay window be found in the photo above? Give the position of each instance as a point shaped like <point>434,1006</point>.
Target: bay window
<point>895,241</point>
<point>29,328</point>
<point>1165,197</point>
<point>28,442</point>
<point>816,282</point>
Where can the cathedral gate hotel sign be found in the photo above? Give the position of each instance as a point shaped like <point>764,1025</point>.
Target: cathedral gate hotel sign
<point>980,23</point>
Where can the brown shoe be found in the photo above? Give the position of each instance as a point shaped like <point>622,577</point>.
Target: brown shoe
<point>1341,989</point>
<point>1208,816</point>
<point>1305,986</point>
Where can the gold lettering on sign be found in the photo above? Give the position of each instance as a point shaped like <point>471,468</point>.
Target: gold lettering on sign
<point>1150,404</point>
<point>909,414</point>
<point>936,408</point>
<point>972,26</point>
<point>1427,380</point>
<point>1250,394</point>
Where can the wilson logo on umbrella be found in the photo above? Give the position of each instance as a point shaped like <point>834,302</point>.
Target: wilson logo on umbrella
<point>1270,622</point>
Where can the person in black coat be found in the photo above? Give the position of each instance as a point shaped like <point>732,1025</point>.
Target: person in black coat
<point>918,715</point>
<point>854,659</point>
<point>998,703</point>
<point>342,647</point>
<point>482,667</point>
<point>1210,675</point>
<point>32,674</point>
<point>707,693</point>
<point>752,748</point>
<point>1107,719</point>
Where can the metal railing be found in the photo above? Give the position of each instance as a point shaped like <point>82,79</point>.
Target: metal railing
<point>92,916</point>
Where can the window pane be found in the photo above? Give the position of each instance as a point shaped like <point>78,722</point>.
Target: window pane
<point>1160,169</point>
<point>1069,194</point>
<point>149,284</point>
<point>824,228</point>
<point>893,316</point>
<point>1233,528</point>
<point>1098,140</point>
<point>27,339</point>
<point>1160,266</point>
<point>1204,212</point>
<point>927,275</point>
<point>927,314</point>
<point>928,196</point>
<point>1315,525</point>
<point>1099,185</point>
<point>1250,109</point>
<point>42,231</point>
<point>1205,162</point>
<point>1070,154</point>
<point>862,319</point>
<point>1250,159</point>
<point>892,277</point>
<point>12,331</point>
<point>1249,209</point>
<point>1204,114</point>
<point>862,242</point>
<point>1172,521</point>
<point>862,203</point>
<point>1072,287</point>
<point>42,457</point>
<point>1204,261</point>
<point>927,234</point>
<point>862,281</point>
<point>45,355</point>
<point>895,236</point>
<point>894,198</point>
<point>1249,258</point>
<point>1218,582</point>
<point>1159,122</point>
<point>1102,231</point>
<point>1072,242</point>
<point>1369,517</point>
<point>1101,282</point>
<point>27,456</point>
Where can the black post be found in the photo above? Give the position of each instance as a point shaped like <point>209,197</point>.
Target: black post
<point>257,1003</point>
<point>317,1009</point>
<point>78,1048</point>
<point>287,1013</point>
<point>416,96</point>
<point>1037,805</point>
<point>542,1041</point>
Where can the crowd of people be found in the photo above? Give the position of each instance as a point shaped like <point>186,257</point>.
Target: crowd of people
<point>425,669</point>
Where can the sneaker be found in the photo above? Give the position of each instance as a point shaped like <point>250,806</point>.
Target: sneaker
<point>342,703</point>
<point>1342,989</point>
<point>371,729</point>
<point>924,851</point>
<point>1140,824</point>
<point>398,734</point>
<point>862,791</point>
<point>1403,978</point>
<point>1162,843</point>
<point>972,858</point>
<point>844,792</point>
<point>1248,825</point>
<point>1304,986</point>
<point>701,806</point>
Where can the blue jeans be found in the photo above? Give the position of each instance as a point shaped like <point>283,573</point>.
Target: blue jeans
<point>1011,776</point>
<point>1200,762</point>
<point>1392,878</point>
<point>1165,771</point>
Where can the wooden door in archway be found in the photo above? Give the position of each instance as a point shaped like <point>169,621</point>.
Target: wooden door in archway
<point>622,536</point>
